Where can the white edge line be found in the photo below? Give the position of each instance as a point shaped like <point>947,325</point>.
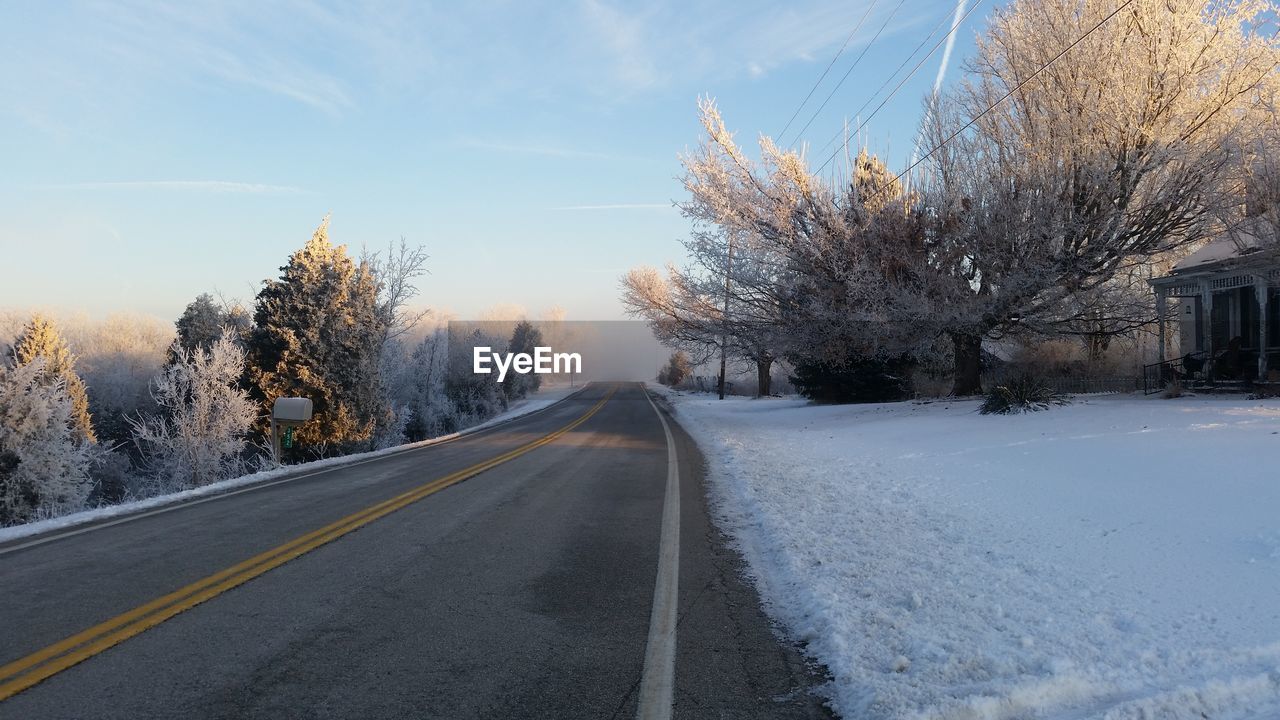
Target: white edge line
<point>657,681</point>
<point>181,503</point>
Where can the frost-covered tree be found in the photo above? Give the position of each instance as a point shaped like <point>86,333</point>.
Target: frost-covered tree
<point>430,410</point>
<point>474,398</point>
<point>678,315</point>
<point>41,341</point>
<point>44,458</point>
<point>200,434</point>
<point>395,271</point>
<point>319,330</point>
<point>117,358</point>
<point>1073,171</point>
<point>816,261</point>
<point>1077,169</point>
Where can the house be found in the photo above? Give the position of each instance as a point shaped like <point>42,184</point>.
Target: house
<point>1227,297</point>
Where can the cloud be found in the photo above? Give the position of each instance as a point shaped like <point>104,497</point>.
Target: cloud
<point>544,150</point>
<point>642,48</point>
<point>217,186</point>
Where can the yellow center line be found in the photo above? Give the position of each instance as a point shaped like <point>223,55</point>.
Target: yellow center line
<point>28,671</point>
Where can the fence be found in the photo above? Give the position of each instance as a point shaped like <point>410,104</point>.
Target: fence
<point>1076,384</point>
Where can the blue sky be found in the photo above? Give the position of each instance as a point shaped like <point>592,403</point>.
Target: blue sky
<point>152,151</point>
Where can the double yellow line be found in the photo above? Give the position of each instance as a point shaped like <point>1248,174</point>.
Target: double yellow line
<point>42,664</point>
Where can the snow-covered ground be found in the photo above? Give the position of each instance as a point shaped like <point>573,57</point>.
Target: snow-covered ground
<point>546,396</point>
<point>1118,558</point>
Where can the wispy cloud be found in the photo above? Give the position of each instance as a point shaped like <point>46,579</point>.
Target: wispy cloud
<point>218,186</point>
<point>543,150</point>
<point>619,206</point>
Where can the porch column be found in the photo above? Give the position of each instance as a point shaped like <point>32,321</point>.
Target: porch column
<point>1160,318</point>
<point>1206,312</point>
<point>1260,292</point>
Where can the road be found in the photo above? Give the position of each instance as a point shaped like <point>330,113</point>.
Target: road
<point>511,573</point>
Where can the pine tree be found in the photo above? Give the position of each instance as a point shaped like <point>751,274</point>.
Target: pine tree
<point>317,335</point>
<point>44,461</point>
<point>40,340</point>
<point>201,324</point>
<point>525,339</point>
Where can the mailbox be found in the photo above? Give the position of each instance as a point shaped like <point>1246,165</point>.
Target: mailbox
<point>291,410</point>
<point>287,413</point>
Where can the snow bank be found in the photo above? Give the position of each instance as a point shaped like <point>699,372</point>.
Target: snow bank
<point>1118,558</point>
<point>538,401</point>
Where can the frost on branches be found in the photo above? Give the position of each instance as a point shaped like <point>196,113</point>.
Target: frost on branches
<point>1116,153</point>
<point>1052,182</point>
<point>44,458</point>
<point>199,437</point>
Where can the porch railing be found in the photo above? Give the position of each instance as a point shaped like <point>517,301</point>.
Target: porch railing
<point>1157,376</point>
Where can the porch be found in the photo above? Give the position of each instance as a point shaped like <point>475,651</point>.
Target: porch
<point>1225,301</point>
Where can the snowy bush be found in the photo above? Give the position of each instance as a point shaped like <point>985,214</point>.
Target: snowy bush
<point>1023,393</point>
<point>200,435</point>
<point>44,459</point>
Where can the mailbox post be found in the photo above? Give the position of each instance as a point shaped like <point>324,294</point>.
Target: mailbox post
<point>287,413</point>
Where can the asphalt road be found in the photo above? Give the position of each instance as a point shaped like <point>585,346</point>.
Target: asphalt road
<point>524,591</point>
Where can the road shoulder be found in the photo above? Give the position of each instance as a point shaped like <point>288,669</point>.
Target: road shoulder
<point>731,661</point>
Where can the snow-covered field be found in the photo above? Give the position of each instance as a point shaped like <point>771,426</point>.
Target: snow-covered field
<point>1118,558</point>
<point>547,396</point>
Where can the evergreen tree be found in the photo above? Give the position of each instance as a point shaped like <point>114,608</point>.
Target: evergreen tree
<point>317,334</point>
<point>44,460</point>
<point>858,379</point>
<point>525,338</point>
<point>40,340</point>
<point>200,325</point>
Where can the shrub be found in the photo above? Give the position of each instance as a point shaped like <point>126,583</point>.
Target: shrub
<point>857,380</point>
<point>1022,393</point>
<point>676,371</point>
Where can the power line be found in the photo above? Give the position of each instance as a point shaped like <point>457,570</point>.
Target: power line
<point>892,75</point>
<point>914,70</point>
<point>1004,97</point>
<point>830,65</point>
<point>851,68</point>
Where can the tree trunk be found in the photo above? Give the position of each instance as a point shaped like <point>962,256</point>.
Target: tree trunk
<point>968,365</point>
<point>722,364</point>
<point>764,377</point>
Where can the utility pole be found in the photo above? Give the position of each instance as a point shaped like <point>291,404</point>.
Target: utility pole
<point>724,332</point>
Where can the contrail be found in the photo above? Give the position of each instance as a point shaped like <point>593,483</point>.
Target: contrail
<point>951,43</point>
<point>942,69</point>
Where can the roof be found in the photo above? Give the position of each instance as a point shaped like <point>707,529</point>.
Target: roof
<point>1236,243</point>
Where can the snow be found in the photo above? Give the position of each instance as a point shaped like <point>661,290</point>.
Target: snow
<point>1241,241</point>
<point>548,395</point>
<point>1118,558</point>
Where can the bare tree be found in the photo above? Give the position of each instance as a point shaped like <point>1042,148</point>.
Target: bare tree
<point>396,271</point>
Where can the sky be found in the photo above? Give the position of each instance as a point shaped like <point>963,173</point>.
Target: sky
<point>151,151</point>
